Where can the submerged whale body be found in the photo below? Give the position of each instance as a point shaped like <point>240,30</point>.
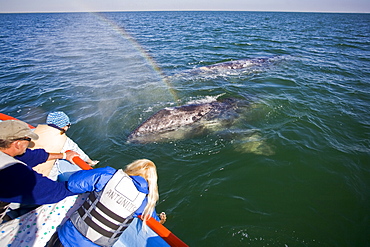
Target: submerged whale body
<point>237,64</point>
<point>233,67</point>
<point>180,122</point>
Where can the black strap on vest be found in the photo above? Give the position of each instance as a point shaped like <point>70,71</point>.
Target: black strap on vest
<point>105,210</point>
<point>3,208</point>
<point>119,228</point>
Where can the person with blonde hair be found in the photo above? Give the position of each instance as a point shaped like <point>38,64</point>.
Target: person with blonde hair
<point>146,169</point>
<point>109,210</point>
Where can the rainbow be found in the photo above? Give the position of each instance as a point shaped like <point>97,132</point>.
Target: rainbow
<point>150,60</point>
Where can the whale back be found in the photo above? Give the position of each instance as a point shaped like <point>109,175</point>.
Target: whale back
<point>178,122</point>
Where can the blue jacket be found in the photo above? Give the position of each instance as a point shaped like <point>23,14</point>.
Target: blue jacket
<point>68,234</point>
<point>21,184</point>
<point>33,157</point>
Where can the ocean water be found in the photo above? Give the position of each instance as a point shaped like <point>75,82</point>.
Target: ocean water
<point>293,170</point>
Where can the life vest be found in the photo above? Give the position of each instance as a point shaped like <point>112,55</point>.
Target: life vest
<point>106,214</point>
<point>52,141</point>
<point>6,161</point>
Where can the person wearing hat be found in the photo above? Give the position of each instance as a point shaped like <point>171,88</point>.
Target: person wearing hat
<point>19,183</point>
<point>53,138</point>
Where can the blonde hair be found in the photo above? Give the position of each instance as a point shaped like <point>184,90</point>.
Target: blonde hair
<point>146,169</point>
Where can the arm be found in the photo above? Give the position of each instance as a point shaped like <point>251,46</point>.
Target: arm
<point>38,156</point>
<point>68,156</point>
<point>140,210</point>
<point>33,157</point>
<point>142,185</point>
<point>23,185</point>
<point>71,145</point>
<point>90,180</point>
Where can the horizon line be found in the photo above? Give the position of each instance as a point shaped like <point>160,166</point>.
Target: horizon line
<point>117,11</point>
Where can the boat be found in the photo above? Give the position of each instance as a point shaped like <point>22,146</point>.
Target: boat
<point>36,227</point>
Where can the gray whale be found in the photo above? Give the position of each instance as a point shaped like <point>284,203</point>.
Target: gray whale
<point>233,67</point>
<point>237,64</point>
<point>173,123</point>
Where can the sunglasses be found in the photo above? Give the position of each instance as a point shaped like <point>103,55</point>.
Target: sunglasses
<point>23,139</point>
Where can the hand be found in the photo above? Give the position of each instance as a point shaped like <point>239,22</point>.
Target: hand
<point>93,162</point>
<point>70,155</point>
<point>163,217</point>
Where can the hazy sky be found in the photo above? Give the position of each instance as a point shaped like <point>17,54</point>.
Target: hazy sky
<point>353,6</point>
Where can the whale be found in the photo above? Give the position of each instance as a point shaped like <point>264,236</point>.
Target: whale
<point>237,64</point>
<point>219,116</point>
<point>227,68</point>
<point>179,122</point>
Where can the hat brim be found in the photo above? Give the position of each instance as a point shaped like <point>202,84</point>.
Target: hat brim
<point>32,135</point>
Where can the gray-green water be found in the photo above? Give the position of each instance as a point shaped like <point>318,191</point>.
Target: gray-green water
<point>293,171</point>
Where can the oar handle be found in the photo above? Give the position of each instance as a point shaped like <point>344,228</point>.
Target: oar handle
<point>81,163</point>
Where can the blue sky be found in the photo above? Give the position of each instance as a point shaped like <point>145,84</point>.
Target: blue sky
<point>17,6</point>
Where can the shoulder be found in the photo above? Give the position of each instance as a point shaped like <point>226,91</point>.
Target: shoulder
<point>18,170</point>
<point>140,183</point>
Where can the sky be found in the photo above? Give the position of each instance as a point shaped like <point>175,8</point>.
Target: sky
<point>21,6</point>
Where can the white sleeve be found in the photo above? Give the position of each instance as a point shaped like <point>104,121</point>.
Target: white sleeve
<point>71,145</point>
